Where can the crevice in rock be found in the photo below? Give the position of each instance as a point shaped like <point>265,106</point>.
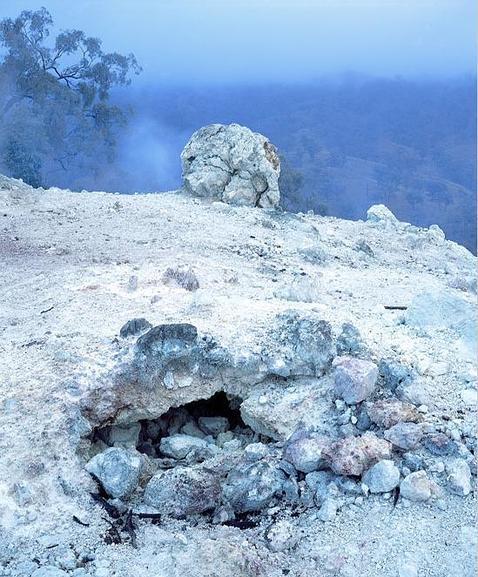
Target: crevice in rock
<point>186,434</point>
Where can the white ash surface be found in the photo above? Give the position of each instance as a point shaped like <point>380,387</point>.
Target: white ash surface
<point>77,266</point>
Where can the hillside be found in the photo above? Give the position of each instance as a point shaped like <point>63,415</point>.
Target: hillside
<point>248,304</point>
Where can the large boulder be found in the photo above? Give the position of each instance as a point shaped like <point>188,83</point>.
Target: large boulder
<point>233,164</point>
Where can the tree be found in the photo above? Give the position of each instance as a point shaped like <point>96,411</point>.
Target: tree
<point>66,83</point>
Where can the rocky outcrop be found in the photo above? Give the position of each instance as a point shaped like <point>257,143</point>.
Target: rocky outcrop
<point>233,164</point>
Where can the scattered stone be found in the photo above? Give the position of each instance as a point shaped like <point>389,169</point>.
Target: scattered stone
<point>416,487</point>
<point>459,477</point>
<point>328,510</point>
<point>184,490</point>
<point>363,420</point>
<point>379,213</point>
<point>179,446</point>
<point>304,449</point>
<point>306,345</point>
<point>405,436</point>
<point>251,487</point>
<point>355,379</point>
<point>281,536</point>
<point>223,514</point>
<point>388,412</point>
<point>125,436</point>
<point>349,486</point>
<point>132,283</point>
<point>413,462</point>
<point>233,164</point>
<point>118,470</point>
<point>394,374</point>
<point>364,247</point>
<point>439,444</point>
<point>353,455</point>
<point>190,428</point>
<point>213,425</point>
<point>49,571</point>
<point>134,327</point>
<point>182,278</point>
<point>349,342</point>
<point>256,452</point>
<point>382,477</point>
<point>319,482</point>
<point>224,438</point>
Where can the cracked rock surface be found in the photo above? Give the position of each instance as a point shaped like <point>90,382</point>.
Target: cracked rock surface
<point>233,164</point>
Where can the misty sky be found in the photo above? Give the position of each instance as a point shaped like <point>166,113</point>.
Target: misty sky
<point>179,41</point>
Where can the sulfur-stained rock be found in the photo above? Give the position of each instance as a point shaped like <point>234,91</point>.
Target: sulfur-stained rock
<point>353,455</point>
<point>388,412</point>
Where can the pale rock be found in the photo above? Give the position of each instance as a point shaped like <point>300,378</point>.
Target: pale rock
<point>304,449</point>
<point>444,309</point>
<point>405,436</point>
<point>459,477</point>
<point>328,510</point>
<point>233,164</point>
<point>379,213</point>
<point>416,487</point>
<point>118,470</point>
<point>179,446</point>
<point>354,379</point>
<point>302,403</point>
<point>382,477</point>
<point>282,536</point>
